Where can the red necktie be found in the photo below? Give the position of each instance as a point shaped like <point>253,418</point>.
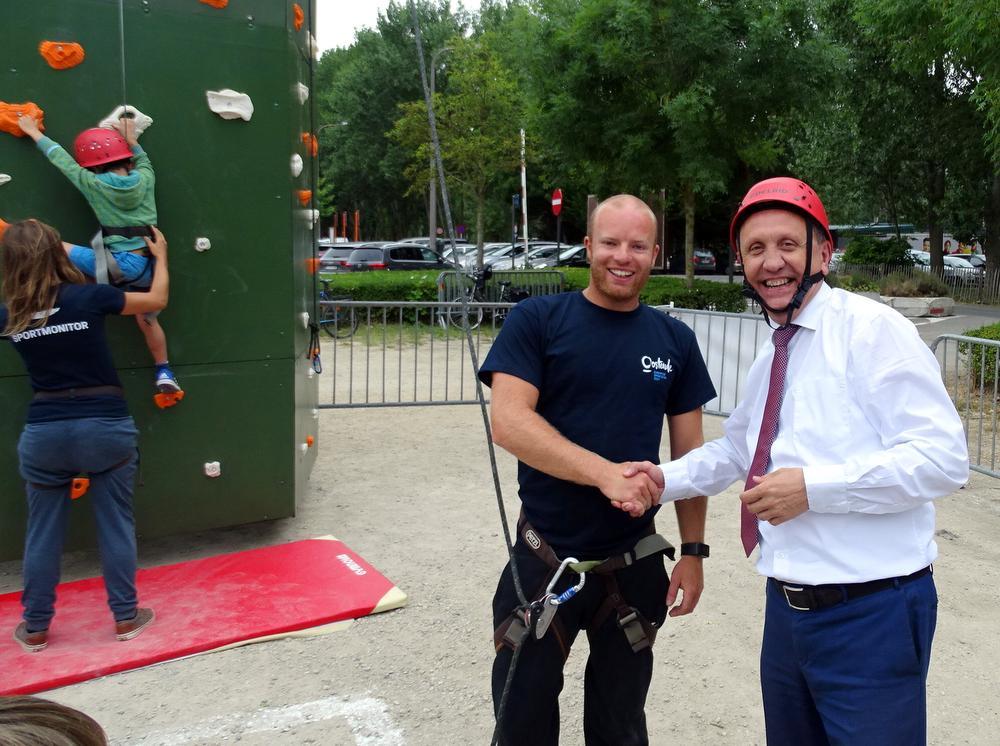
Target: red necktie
<point>749,530</point>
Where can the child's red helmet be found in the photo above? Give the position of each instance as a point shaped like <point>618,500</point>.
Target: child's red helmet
<point>97,146</point>
<point>780,193</point>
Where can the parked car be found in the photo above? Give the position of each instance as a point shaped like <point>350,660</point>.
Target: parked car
<point>405,256</point>
<point>704,260</point>
<point>333,256</point>
<point>955,268</point>
<point>570,256</point>
<point>976,260</point>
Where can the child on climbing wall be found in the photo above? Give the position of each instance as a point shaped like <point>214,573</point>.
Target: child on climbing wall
<point>115,176</point>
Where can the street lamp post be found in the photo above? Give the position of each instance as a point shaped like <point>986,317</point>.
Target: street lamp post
<point>432,186</point>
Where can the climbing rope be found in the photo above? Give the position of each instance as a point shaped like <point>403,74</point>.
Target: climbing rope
<point>121,40</point>
<point>480,396</point>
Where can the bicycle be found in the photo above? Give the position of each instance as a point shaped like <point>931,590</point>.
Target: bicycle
<point>338,322</point>
<point>475,293</point>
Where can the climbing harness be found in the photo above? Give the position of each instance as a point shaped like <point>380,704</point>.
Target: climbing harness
<point>528,618</point>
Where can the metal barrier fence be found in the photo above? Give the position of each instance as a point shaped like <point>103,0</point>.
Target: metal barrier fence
<point>394,354</point>
<point>970,369</point>
<point>965,285</point>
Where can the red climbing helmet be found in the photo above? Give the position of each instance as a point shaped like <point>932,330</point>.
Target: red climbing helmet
<point>97,146</point>
<point>781,193</point>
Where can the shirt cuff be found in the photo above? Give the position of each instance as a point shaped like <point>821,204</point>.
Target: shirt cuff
<point>677,483</point>
<point>826,488</point>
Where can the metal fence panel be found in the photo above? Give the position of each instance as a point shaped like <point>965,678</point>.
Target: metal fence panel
<point>415,354</point>
<point>969,368</point>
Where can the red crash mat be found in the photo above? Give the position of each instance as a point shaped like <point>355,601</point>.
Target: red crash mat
<point>200,605</point>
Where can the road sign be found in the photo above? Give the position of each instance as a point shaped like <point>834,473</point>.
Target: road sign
<point>556,201</point>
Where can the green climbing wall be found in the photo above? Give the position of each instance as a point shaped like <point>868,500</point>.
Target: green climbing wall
<point>235,324</point>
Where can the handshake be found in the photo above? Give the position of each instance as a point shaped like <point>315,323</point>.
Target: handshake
<point>632,486</point>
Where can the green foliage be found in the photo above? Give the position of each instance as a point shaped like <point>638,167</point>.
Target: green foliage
<point>854,283</point>
<point>385,286</point>
<point>478,122</point>
<point>661,290</point>
<point>982,359</point>
<point>915,285</point>
<point>422,286</point>
<point>868,250</point>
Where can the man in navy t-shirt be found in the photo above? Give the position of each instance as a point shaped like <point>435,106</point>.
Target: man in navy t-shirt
<point>581,383</point>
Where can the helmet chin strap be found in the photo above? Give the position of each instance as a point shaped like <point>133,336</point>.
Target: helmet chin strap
<point>805,285</point>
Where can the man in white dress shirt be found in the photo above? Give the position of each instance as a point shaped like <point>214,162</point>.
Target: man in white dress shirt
<point>867,438</point>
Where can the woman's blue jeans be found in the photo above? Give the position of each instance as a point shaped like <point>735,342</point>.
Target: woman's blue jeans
<point>51,454</point>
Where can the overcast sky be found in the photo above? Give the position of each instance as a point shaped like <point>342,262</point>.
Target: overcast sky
<point>336,20</point>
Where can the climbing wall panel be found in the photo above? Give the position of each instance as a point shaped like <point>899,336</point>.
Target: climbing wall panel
<point>239,239</point>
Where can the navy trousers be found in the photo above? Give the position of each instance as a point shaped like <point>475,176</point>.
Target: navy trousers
<point>51,454</point>
<point>852,674</point>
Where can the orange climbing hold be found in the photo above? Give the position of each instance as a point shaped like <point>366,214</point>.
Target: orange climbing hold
<point>304,196</point>
<point>79,487</point>
<point>4,225</point>
<point>61,55</point>
<point>310,440</point>
<point>166,399</point>
<point>312,265</point>
<point>299,16</point>
<point>216,3</point>
<point>311,142</point>
<point>10,112</point>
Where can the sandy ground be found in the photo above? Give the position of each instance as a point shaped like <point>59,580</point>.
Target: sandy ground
<point>410,490</point>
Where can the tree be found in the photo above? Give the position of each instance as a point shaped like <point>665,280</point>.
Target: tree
<point>478,122</point>
<point>359,90</point>
<point>638,95</point>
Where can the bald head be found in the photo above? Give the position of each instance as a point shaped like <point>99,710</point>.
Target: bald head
<point>623,202</point>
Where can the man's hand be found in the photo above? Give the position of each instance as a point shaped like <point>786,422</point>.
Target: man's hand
<point>157,244</point>
<point>688,578</point>
<point>126,128</point>
<point>29,126</point>
<point>634,493</point>
<point>634,469</point>
<point>778,497</point>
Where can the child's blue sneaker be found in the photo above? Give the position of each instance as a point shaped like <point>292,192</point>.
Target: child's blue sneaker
<point>166,382</point>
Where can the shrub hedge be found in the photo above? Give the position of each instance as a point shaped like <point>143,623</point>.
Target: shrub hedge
<point>422,286</point>
<point>982,361</point>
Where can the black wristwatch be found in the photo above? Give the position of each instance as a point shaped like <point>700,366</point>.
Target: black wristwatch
<point>694,549</point>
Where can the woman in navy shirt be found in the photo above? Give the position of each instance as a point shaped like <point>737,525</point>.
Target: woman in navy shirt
<point>78,421</point>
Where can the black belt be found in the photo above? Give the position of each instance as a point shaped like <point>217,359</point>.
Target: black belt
<point>813,597</point>
<point>81,391</point>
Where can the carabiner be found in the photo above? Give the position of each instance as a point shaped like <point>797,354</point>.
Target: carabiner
<point>569,592</point>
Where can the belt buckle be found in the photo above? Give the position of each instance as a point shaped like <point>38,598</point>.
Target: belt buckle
<point>785,589</point>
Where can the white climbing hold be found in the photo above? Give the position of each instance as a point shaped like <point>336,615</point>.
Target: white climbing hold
<point>313,46</point>
<point>142,122</point>
<point>304,319</point>
<point>213,469</point>
<point>302,92</point>
<point>202,244</point>
<point>296,164</point>
<point>230,104</point>
<point>4,178</point>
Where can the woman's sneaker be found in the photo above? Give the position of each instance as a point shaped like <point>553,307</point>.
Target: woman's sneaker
<point>129,628</point>
<point>31,641</point>
<point>166,382</point>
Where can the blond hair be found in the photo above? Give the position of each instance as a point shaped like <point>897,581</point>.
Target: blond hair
<point>34,265</point>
